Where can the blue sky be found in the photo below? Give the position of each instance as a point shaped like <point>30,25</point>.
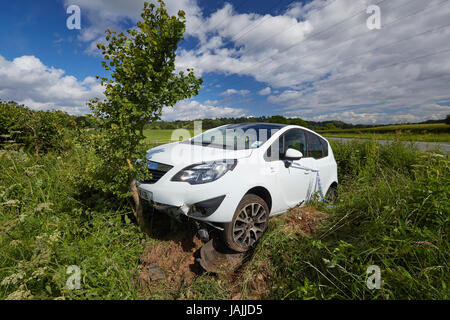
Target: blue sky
<point>317,59</point>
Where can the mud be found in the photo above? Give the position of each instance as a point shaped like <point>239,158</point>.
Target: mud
<point>176,250</point>
<point>303,220</point>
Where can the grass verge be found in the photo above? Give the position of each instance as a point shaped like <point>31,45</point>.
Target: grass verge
<point>393,212</point>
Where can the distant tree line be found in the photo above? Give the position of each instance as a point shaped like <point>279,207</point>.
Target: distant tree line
<point>212,123</point>
<point>314,125</point>
<point>42,131</point>
<point>87,122</point>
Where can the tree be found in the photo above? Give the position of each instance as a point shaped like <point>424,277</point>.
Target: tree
<point>447,119</point>
<point>277,119</point>
<point>142,81</point>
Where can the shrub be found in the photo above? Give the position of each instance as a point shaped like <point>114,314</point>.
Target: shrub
<point>44,229</point>
<point>37,131</point>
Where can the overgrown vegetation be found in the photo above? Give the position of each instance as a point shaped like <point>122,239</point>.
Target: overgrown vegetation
<point>47,224</point>
<point>142,81</point>
<point>393,211</point>
<point>36,131</point>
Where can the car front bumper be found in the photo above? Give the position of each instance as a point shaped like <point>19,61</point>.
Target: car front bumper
<point>200,202</point>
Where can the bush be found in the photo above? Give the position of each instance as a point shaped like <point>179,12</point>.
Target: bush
<point>44,229</point>
<point>37,131</point>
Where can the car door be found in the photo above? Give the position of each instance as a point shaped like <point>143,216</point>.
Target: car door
<point>316,159</point>
<point>291,178</point>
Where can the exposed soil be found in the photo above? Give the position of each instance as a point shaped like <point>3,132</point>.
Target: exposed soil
<point>178,247</point>
<point>174,253</point>
<point>177,263</point>
<point>303,220</point>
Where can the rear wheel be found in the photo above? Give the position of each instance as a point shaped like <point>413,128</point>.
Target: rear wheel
<point>331,195</point>
<point>248,225</point>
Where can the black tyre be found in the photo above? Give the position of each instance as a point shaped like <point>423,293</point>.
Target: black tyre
<point>331,195</point>
<point>248,225</point>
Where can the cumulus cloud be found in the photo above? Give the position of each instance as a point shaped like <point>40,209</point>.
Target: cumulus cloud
<point>264,92</point>
<point>317,60</point>
<point>328,65</point>
<point>191,110</point>
<point>99,15</point>
<point>28,81</point>
<point>229,92</point>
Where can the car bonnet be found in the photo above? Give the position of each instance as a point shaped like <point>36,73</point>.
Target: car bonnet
<point>180,153</point>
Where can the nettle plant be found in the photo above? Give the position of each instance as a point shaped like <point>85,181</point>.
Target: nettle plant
<point>142,81</point>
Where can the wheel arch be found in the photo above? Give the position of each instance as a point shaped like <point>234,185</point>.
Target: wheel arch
<point>263,193</point>
<point>333,184</point>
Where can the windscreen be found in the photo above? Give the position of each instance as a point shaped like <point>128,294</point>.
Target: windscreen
<point>237,136</point>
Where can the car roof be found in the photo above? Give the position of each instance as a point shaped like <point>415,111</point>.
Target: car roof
<point>256,124</point>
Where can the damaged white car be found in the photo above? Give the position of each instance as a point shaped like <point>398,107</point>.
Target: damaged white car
<point>235,177</point>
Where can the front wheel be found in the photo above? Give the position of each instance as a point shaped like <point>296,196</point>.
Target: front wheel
<point>248,225</point>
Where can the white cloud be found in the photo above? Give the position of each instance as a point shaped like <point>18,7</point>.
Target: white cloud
<point>315,61</point>
<point>229,92</point>
<point>264,92</point>
<point>191,110</point>
<point>28,81</point>
<point>328,66</point>
<point>99,15</point>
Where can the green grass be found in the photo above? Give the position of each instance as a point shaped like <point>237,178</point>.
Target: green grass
<point>426,137</point>
<point>392,211</point>
<point>415,132</point>
<point>438,132</point>
<point>45,228</point>
<point>421,128</point>
<point>160,136</point>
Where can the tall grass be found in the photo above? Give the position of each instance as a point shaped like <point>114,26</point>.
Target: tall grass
<point>393,212</point>
<point>45,228</point>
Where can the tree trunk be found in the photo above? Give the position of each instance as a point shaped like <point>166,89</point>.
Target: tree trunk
<point>138,209</point>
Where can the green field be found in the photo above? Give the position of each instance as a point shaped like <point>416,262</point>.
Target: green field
<point>429,137</point>
<point>438,132</point>
<point>161,136</point>
<point>415,132</point>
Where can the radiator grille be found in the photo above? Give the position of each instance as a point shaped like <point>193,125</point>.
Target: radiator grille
<point>157,170</point>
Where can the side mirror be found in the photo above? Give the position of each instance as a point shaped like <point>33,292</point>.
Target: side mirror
<point>292,154</point>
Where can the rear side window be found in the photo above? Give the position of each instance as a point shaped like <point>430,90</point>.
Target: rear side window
<point>317,147</point>
<point>324,146</point>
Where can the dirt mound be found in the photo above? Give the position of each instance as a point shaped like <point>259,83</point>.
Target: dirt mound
<point>172,253</point>
<point>170,264</point>
<point>303,220</point>
<point>176,261</point>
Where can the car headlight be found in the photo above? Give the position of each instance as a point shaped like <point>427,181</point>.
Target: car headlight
<point>205,172</point>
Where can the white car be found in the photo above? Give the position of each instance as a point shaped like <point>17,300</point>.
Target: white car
<point>235,177</point>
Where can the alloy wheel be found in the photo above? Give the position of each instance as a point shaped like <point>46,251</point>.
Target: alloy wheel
<point>249,225</point>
